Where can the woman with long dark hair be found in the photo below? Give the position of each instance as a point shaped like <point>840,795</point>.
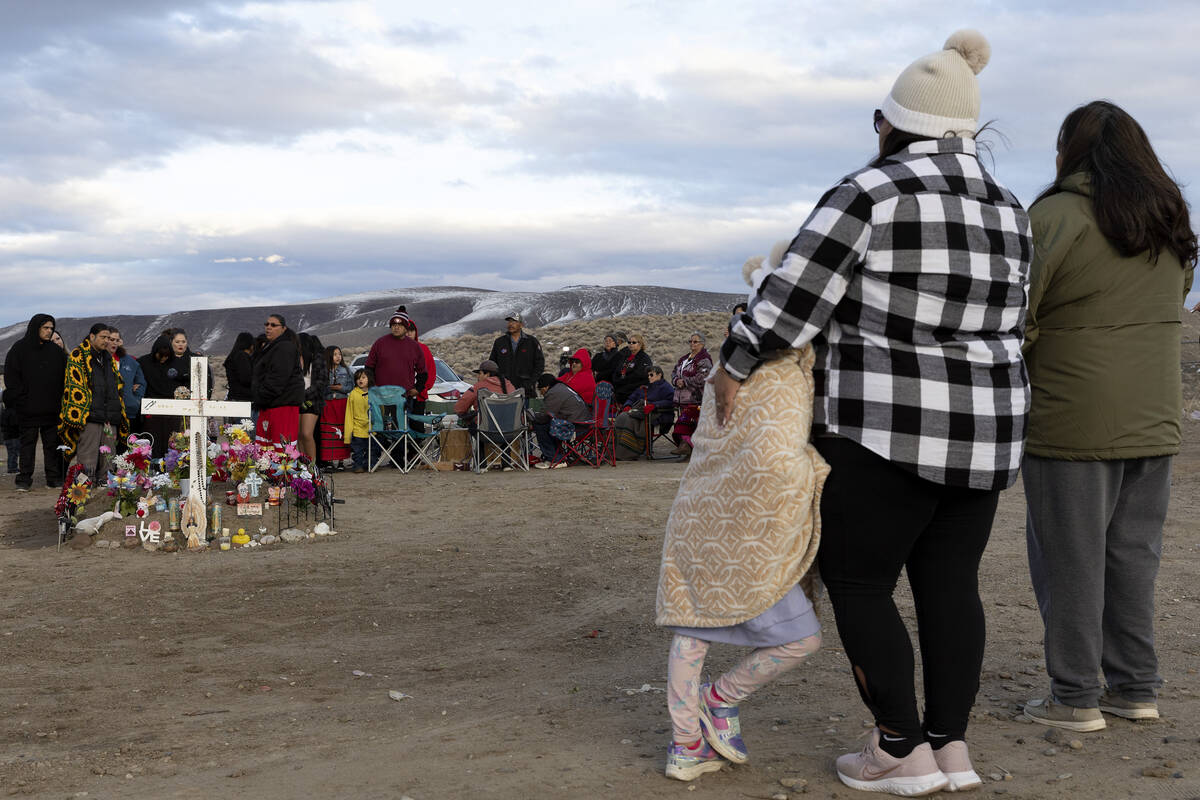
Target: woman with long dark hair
<point>161,384</point>
<point>316,379</point>
<point>1114,258</point>
<point>333,449</point>
<point>239,367</point>
<point>908,278</point>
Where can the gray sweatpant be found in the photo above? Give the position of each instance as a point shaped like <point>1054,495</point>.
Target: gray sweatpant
<point>1094,533</point>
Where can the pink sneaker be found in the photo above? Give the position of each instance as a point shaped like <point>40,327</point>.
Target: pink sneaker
<point>873,770</point>
<point>953,760</point>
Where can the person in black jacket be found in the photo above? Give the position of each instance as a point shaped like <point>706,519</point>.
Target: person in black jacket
<point>33,374</point>
<point>519,356</point>
<point>93,409</point>
<point>277,385</point>
<point>239,368</point>
<point>161,383</point>
<point>632,370</point>
<point>10,431</point>
<point>604,360</point>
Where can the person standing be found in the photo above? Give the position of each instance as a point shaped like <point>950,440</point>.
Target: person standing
<point>161,384</point>
<point>133,381</point>
<point>93,411</point>
<point>397,360</point>
<point>34,370</point>
<point>1114,258</point>
<point>519,356</point>
<point>418,404</point>
<point>239,368</point>
<point>909,279</point>
<point>277,385</point>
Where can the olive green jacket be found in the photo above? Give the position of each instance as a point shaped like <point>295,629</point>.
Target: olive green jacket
<point>1102,339</point>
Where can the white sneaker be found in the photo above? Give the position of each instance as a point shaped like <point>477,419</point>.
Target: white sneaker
<point>542,465</point>
<point>873,770</point>
<point>559,465</point>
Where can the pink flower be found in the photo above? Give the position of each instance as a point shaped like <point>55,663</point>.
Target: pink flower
<point>105,449</point>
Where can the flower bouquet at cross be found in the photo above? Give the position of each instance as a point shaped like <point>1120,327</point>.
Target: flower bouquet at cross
<point>132,474</point>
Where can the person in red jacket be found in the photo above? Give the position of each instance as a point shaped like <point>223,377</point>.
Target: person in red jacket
<point>418,403</point>
<point>580,378</point>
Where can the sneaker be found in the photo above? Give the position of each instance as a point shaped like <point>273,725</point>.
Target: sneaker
<point>1113,703</point>
<point>873,770</point>
<point>686,765</point>
<point>952,759</point>
<point>23,488</point>
<point>1048,711</point>
<point>506,468</point>
<point>720,724</point>
<point>559,465</point>
<point>542,465</point>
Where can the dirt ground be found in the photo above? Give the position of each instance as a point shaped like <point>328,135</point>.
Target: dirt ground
<point>517,611</point>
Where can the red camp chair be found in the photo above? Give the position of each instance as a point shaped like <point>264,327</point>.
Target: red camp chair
<point>654,431</point>
<point>597,444</point>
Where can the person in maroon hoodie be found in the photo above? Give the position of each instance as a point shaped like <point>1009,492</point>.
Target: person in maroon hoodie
<point>397,360</point>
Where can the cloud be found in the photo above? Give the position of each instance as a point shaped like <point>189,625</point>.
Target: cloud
<point>423,33</point>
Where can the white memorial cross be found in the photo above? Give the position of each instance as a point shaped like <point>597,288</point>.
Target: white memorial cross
<point>198,410</point>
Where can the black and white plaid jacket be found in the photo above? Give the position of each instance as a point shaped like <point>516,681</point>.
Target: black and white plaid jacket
<point>910,280</point>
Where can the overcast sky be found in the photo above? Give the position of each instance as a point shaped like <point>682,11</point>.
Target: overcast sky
<point>158,155</point>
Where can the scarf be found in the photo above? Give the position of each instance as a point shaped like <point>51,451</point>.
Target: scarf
<point>77,397</point>
<point>745,524</point>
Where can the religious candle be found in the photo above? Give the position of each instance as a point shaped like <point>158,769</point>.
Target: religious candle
<point>214,521</point>
<point>173,515</point>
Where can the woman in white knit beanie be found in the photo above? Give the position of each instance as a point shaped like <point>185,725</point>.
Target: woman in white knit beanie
<point>909,279</point>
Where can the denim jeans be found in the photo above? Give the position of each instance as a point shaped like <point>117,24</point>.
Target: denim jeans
<point>358,451</point>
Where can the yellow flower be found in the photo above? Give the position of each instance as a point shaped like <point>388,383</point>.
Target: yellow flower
<point>78,493</point>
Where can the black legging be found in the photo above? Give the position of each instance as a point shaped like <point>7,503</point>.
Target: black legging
<point>876,519</point>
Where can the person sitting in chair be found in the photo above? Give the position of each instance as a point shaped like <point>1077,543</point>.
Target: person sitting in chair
<point>559,402</point>
<point>486,377</point>
<point>652,404</point>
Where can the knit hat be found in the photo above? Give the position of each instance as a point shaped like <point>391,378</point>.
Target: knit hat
<point>402,317</point>
<point>938,94</point>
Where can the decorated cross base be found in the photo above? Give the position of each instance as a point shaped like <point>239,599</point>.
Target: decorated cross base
<point>198,410</point>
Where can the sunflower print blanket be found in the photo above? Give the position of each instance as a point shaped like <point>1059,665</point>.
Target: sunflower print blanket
<point>77,397</point>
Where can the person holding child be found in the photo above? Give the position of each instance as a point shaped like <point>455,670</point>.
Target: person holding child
<point>909,278</point>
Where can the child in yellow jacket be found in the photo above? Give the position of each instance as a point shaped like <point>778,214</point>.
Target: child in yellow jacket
<point>358,424</point>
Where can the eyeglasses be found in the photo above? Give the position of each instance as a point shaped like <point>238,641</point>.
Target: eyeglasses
<point>878,119</point>
<point>272,325</point>
<point>693,341</point>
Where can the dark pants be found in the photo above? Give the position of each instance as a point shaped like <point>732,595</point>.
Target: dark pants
<point>546,443</point>
<point>13,447</point>
<point>358,451</point>
<point>877,519</point>
<point>1094,532</point>
<point>52,461</point>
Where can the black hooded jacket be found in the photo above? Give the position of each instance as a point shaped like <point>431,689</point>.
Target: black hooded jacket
<point>277,379</point>
<point>159,384</point>
<point>33,375</point>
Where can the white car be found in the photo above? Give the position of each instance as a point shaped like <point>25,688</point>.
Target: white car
<point>447,388</point>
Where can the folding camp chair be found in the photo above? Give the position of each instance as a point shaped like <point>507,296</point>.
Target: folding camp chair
<point>597,444</point>
<point>656,431</point>
<point>421,444</point>
<point>501,430</point>
<point>388,425</point>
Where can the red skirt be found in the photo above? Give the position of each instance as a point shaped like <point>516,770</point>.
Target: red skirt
<point>278,426</point>
<point>330,430</point>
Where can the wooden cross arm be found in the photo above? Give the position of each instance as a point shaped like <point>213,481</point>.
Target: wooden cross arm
<point>193,408</point>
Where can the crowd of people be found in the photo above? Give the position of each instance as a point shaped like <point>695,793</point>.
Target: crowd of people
<point>954,340</point>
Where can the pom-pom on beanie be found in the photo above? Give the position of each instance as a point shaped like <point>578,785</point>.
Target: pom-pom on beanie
<point>937,94</point>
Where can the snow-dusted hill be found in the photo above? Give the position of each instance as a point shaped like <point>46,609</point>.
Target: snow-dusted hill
<point>358,319</point>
